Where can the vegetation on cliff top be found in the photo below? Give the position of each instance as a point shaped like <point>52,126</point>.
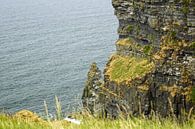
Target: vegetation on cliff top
<point>128,68</point>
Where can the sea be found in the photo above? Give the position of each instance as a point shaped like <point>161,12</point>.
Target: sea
<point>46,48</point>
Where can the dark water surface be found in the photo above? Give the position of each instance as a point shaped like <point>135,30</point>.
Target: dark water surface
<point>46,47</point>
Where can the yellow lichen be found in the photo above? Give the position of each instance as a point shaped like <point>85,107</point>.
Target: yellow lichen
<point>143,87</point>
<point>126,41</point>
<point>174,90</point>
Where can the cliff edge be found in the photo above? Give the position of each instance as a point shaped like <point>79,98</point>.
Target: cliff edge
<point>153,69</point>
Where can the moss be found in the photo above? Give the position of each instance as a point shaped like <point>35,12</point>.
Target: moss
<point>185,8</point>
<point>130,43</point>
<point>147,49</point>
<point>138,29</point>
<point>192,46</point>
<point>151,38</point>
<point>128,68</point>
<point>129,28</point>
<point>133,46</point>
<point>193,94</point>
<point>124,42</point>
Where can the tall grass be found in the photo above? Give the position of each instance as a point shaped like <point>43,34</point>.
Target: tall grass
<point>46,111</point>
<point>9,122</point>
<point>90,122</point>
<point>58,109</point>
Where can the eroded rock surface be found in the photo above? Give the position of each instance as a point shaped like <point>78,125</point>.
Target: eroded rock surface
<point>90,96</point>
<point>153,69</point>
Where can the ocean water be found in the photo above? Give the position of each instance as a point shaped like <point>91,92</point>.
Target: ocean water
<point>46,48</point>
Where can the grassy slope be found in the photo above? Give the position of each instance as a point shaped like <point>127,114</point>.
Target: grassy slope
<point>125,68</point>
<point>92,123</point>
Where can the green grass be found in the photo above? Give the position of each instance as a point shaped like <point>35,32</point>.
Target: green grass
<point>7,122</point>
<point>88,122</point>
<point>128,68</point>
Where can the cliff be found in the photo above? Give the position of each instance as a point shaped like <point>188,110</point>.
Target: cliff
<point>153,69</point>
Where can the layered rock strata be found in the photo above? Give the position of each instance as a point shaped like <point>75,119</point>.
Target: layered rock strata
<point>90,98</point>
<point>153,69</point>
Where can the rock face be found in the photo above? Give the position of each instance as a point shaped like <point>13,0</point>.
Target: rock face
<point>153,69</point>
<point>90,96</point>
<point>148,20</point>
